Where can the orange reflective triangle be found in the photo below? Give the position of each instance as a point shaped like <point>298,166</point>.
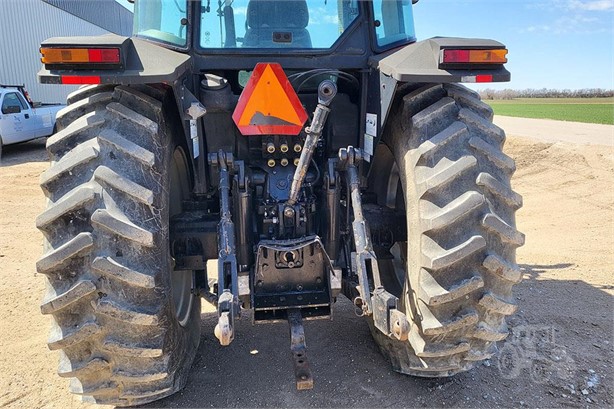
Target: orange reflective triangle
<point>268,104</point>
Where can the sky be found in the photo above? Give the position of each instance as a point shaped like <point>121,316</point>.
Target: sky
<point>562,44</point>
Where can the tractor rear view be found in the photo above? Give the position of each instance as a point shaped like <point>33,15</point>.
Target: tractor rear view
<point>269,156</point>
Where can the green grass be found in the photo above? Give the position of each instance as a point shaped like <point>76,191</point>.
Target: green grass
<point>589,110</point>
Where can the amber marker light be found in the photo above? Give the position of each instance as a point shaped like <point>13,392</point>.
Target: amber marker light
<point>80,55</point>
<point>497,56</point>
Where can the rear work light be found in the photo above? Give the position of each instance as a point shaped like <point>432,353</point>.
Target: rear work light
<point>478,57</point>
<point>72,56</point>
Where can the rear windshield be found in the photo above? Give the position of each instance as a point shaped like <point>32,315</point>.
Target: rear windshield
<point>270,24</point>
<point>302,24</point>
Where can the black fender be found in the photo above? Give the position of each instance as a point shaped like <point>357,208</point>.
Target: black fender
<point>420,63</point>
<point>142,62</point>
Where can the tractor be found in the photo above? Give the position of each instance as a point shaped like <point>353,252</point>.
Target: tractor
<point>268,156</point>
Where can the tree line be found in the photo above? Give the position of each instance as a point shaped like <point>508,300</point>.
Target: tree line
<point>546,93</point>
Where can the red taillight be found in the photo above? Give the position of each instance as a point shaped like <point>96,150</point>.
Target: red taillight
<point>477,78</point>
<point>455,56</point>
<point>80,80</point>
<point>483,78</point>
<point>104,55</point>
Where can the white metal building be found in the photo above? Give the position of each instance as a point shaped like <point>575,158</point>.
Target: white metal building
<point>25,23</point>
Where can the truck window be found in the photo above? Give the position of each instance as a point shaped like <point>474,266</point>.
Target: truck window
<point>22,100</point>
<point>13,99</point>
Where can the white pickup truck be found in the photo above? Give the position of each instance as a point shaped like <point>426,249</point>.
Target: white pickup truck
<point>20,119</point>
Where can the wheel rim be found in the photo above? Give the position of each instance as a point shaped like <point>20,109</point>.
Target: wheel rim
<point>181,280</point>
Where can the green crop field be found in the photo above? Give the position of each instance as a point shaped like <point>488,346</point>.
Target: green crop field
<point>590,110</point>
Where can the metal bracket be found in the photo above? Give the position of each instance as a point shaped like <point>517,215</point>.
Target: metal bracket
<point>331,167</point>
<point>298,346</point>
<point>332,214</point>
<point>192,108</point>
<point>291,274</point>
<point>191,111</point>
<point>387,317</point>
<point>228,306</point>
<point>239,169</point>
<point>388,87</point>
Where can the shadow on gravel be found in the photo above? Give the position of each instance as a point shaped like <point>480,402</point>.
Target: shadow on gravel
<point>256,369</point>
<point>20,153</point>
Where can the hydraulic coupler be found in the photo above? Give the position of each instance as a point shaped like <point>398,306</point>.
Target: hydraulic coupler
<point>381,304</point>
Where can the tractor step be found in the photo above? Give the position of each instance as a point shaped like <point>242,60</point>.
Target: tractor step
<point>298,346</point>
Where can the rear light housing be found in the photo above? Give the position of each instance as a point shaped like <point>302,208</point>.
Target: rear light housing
<point>472,58</point>
<point>81,58</point>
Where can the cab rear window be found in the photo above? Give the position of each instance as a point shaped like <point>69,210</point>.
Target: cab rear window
<point>300,24</point>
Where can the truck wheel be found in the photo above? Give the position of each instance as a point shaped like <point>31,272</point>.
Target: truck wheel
<point>126,325</point>
<point>441,165</point>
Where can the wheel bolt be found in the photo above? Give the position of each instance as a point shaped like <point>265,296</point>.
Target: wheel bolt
<point>271,163</point>
<point>284,162</point>
<point>270,147</point>
<point>298,148</point>
<point>284,147</point>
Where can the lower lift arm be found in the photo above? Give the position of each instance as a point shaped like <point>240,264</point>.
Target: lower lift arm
<point>228,287</point>
<point>381,304</point>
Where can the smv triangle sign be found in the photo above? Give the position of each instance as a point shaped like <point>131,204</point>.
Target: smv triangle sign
<point>268,104</point>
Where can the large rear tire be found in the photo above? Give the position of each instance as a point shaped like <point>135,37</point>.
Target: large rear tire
<point>441,164</point>
<point>126,325</point>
